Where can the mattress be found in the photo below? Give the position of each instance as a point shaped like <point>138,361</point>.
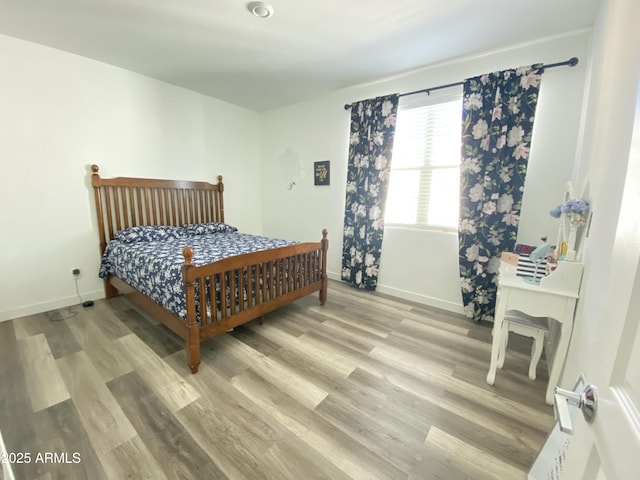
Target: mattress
<point>152,264</point>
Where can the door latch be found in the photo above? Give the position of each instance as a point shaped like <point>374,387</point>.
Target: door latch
<point>587,401</point>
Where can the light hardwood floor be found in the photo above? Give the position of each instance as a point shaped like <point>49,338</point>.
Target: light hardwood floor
<point>366,387</point>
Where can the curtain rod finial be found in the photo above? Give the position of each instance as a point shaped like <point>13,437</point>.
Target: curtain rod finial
<point>573,61</point>
<point>347,106</point>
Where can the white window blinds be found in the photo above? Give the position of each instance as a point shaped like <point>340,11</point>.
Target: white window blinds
<point>424,182</point>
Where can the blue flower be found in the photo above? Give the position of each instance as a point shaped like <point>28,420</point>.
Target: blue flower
<point>576,210</point>
<point>570,206</point>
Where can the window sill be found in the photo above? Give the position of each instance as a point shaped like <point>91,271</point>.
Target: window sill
<point>428,228</point>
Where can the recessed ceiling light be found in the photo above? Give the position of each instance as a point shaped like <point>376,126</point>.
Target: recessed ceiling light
<point>260,9</point>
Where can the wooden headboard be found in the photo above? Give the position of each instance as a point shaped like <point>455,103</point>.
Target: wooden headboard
<point>124,202</point>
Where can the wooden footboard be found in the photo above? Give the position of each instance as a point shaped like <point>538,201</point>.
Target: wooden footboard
<point>230,292</point>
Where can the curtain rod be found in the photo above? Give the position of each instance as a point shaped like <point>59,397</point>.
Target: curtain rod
<point>572,62</point>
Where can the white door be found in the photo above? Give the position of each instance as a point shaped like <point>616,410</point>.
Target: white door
<point>609,448</point>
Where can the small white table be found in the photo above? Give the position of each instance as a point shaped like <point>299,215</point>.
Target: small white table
<point>554,297</point>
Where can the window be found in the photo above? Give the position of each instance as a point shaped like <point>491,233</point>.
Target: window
<point>424,182</point>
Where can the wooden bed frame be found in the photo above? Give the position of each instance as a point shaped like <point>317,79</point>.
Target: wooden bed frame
<point>265,280</point>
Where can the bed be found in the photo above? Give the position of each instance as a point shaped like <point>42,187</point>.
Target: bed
<point>178,221</point>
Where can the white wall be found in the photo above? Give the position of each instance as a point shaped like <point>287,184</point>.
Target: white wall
<point>416,264</point>
<point>600,176</point>
<point>59,113</point>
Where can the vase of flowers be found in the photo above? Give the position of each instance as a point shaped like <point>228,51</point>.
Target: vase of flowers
<point>576,211</point>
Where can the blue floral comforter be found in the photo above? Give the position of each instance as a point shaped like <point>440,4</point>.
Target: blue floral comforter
<point>152,264</point>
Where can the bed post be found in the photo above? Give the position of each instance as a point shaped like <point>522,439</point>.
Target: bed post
<point>109,290</point>
<point>325,247</point>
<point>221,189</point>
<point>193,329</point>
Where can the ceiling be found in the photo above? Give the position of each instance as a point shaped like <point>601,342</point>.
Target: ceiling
<point>304,50</point>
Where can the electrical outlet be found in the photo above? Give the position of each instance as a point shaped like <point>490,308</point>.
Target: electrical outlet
<point>75,272</point>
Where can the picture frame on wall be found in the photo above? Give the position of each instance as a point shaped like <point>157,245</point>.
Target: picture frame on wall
<point>322,173</point>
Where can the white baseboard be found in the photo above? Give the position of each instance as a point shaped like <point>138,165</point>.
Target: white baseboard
<point>97,294</point>
<point>50,305</point>
<point>412,296</point>
<point>334,276</point>
<point>422,299</point>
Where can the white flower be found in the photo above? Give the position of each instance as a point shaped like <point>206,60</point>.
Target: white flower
<point>505,203</point>
<point>466,285</point>
<point>369,259</point>
<point>530,80</point>
<point>505,174</point>
<point>577,218</point>
<point>468,226</point>
<point>494,239</point>
<point>348,231</point>
<point>378,138</point>
<point>358,278</point>
<point>476,192</point>
<point>473,101</point>
<point>390,121</point>
<point>497,112</point>
<point>521,151</point>
<point>387,107</point>
<point>472,253</point>
<point>381,162</point>
<point>489,207</point>
<point>355,138</point>
<point>480,129</point>
<point>469,309</point>
<point>470,164</point>
<point>377,224</point>
<point>501,142</point>
<point>351,187</point>
<point>511,219</point>
<point>482,298</point>
<point>515,136</point>
<point>494,265</point>
<point>371,271</point>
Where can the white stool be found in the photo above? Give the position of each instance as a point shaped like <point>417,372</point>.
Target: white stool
<point>523,324</point>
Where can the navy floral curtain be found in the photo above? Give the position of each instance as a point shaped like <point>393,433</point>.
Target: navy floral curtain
<point>498,114</point>
<point>373,124</point>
